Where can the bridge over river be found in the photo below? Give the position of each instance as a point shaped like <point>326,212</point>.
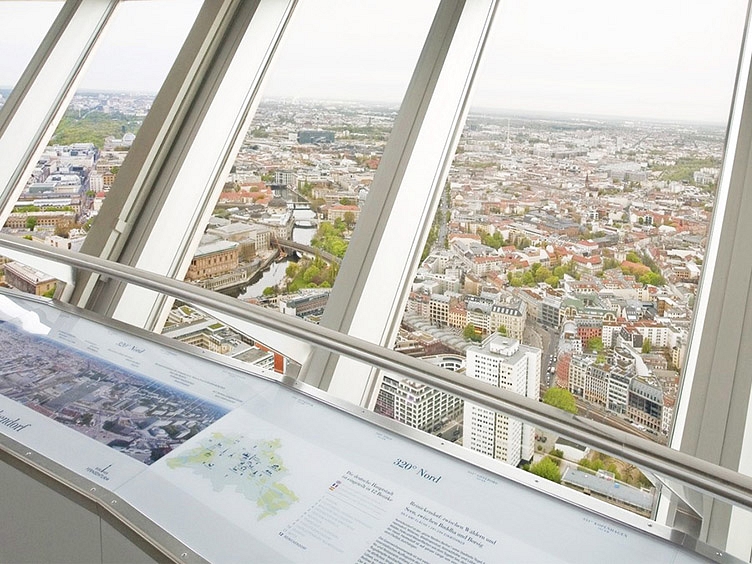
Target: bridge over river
<point>307,250</point>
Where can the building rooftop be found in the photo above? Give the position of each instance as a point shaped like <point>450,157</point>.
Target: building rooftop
<point>610,488</point>
<point>215,247</point>
<point>28,273</point>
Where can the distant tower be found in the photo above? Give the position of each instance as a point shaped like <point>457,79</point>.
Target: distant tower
<point>590,190</point>
<point>505,363</point>
<point>508,146</point>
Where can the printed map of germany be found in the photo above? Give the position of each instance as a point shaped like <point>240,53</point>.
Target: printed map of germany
<point>253,467</point>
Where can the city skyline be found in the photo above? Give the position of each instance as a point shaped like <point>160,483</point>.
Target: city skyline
<point>678,63</point>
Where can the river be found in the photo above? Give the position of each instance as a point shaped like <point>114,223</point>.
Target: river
<point>275,273</point>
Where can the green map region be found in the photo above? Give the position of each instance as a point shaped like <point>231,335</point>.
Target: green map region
<point>252,467</point>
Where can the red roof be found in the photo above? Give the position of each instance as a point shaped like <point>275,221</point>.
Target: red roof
<point>487,259</point>
<point>587,260</point>
<point>231,196</point>
<point>471,236</point>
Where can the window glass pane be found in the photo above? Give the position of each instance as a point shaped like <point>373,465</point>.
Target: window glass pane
<point>305,167</point>
<point>662,61</point>
<point>320,131</point>
<point>575,219</point>
<point>75,172</point>
<point>22,28</point>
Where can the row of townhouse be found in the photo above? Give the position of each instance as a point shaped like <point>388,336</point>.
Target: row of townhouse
<point>487,314</point>
<point>612,383</point>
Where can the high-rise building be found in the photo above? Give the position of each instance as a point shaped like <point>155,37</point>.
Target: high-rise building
<point>503,362</point>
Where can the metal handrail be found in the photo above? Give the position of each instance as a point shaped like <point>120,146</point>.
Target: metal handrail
<point>717,481</point>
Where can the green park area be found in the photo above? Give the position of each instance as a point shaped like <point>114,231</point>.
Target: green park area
<point>93,127</point>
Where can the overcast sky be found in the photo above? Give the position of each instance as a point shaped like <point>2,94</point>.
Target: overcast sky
<point>672,59</point>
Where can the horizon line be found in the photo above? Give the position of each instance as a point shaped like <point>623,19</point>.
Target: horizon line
<point>474,109</point>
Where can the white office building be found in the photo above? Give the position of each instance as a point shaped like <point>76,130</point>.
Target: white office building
<point>505,363</point>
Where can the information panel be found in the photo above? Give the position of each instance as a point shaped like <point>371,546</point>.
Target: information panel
<point>240,468</point>
<point>101,402</point>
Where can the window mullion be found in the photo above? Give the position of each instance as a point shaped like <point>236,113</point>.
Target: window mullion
<point>37,103</point>
<point>156,211</point>
<point>713,419</point>
<point>372,285</point>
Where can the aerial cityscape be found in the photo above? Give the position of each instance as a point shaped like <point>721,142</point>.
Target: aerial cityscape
<point>119,408</point>
<point>565,252</point>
